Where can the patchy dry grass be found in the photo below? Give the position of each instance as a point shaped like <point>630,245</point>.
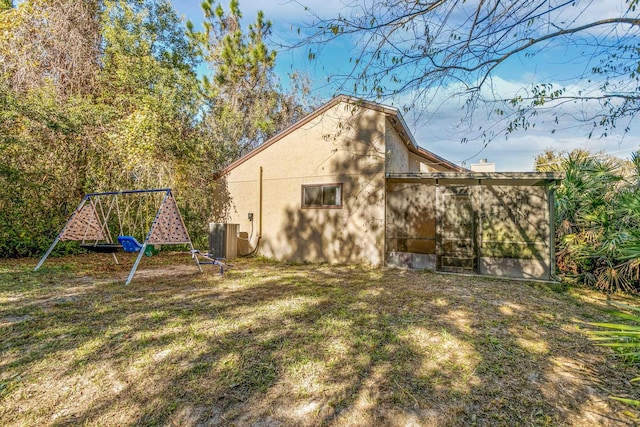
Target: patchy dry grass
<point>273,344</point>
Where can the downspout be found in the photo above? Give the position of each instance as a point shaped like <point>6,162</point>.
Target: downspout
<point>552,228</point>
<point>260,211</point>
<point>384,227</point>
<point>479,219</point>
<point>255,249</point>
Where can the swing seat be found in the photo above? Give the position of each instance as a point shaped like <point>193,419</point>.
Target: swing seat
<point>130,244</point>
<point>104,248</point>
<point>151,250</point>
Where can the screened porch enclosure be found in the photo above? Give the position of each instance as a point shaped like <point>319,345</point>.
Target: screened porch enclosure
<point>481,223</point>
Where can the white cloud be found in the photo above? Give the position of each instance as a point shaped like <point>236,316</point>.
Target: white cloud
<point>518,153</point>
<point>587,11</point>
<point>441,123</point>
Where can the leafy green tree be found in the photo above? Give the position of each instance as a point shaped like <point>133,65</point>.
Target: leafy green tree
<point>149,85</point>
<point>130,125</point>
<point>104,95</point>
<point>49,53</point>
<point>245,101</point>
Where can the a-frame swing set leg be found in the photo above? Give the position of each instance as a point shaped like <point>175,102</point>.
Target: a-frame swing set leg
<point>44,257</point>
<point>135,264</point>
<point>160,218</point>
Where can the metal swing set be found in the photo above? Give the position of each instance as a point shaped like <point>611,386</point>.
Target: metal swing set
<point>93,220</point>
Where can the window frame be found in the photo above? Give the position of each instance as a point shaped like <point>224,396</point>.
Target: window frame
<point>321,187</point>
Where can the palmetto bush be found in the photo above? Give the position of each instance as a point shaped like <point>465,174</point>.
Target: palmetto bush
<point>598,221</point>
<point>622,337</point>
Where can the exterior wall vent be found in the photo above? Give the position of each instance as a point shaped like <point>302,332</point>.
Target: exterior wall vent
<point>223,240</point>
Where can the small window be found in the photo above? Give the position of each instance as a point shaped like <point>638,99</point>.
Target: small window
<point>322,196</point>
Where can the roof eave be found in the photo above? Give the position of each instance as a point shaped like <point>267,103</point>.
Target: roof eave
<point>480,176</point>
<point>404,133</point>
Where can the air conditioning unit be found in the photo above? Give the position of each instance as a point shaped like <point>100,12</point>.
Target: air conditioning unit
<point>223,240</point>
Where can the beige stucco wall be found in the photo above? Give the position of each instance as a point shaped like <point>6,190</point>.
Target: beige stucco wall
<point>397,154</point>
<point>421,165</point>
<point>344,145</point>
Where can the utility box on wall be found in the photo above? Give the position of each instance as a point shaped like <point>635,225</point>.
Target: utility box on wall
<point>223,240</point>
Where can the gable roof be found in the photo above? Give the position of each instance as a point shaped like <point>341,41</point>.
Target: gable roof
<point>392,113</point>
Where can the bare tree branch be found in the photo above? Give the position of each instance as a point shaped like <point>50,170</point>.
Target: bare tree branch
<point>412,48</point>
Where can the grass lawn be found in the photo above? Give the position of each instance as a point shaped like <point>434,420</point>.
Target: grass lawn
<point>274,344</point>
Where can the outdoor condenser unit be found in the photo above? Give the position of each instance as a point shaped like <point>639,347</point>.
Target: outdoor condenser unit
<point>223,240</point>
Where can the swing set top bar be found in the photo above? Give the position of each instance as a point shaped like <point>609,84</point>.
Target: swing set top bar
<point>111,193</point>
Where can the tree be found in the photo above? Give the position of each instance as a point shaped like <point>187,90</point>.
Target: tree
<point>52,42</point>
<point>416,48</point>
<point>149,84</point>
<point>104,95</point>
<point>555,161</point>
<point>128,123</point>
<point>49,52</point>
<point>597,218</point>
<point>245,102</point>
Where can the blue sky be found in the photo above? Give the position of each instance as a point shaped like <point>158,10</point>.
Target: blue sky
<point>440,126</point>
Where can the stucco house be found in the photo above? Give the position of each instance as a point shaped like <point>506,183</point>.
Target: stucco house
<point>349,184</point>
